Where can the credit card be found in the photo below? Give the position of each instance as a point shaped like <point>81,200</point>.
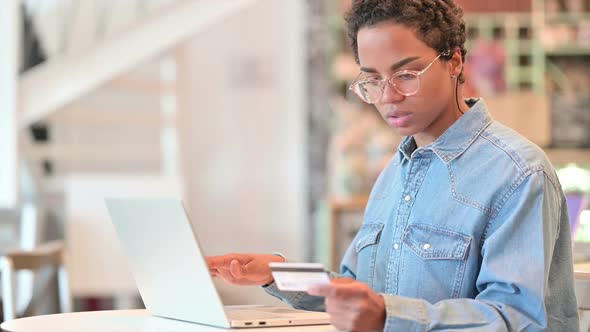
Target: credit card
<point>298,276</point>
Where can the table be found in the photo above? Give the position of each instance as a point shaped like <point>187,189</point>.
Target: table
<point>126,320</point>
<point>582,271</point>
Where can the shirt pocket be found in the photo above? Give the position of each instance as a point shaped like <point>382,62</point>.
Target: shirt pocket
<point>435,262</point>
<point>366,248</point>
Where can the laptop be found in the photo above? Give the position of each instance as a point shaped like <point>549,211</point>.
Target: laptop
<point>171,273</point>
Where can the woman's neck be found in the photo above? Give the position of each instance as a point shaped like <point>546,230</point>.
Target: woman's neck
<point>445,120</point>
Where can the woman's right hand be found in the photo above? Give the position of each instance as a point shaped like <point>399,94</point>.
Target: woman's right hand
<point>243,269</point>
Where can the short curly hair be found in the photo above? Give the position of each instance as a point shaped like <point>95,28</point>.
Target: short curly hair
<point>438,23</point>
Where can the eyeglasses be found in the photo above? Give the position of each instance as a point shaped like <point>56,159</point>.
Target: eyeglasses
<point>405,82</point>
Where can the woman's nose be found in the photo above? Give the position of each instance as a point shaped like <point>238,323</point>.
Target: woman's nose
<point>390,94</point>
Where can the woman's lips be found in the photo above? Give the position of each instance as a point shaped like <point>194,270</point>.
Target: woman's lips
<point>399,119</point>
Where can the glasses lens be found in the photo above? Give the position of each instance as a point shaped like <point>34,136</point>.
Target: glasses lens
<point>368,91</point>
<point>407,83</point>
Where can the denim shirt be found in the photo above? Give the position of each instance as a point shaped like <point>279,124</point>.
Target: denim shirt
<point>469,233</point>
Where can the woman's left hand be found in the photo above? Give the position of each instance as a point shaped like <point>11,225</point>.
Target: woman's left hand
<point>352,305</point>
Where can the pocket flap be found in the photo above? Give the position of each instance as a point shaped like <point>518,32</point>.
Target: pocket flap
<point>431,242</point>
<point>368,235</point>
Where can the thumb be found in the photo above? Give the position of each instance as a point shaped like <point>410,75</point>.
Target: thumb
<point>236,269</point>
<point>342,281</point>
<point>320,290</point>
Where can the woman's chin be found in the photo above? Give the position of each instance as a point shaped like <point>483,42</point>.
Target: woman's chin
<point>405,131</point>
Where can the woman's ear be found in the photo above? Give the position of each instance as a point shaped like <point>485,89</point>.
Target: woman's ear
<point>456,64</point>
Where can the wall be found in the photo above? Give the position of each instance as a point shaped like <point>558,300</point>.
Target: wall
<point>243,135</point>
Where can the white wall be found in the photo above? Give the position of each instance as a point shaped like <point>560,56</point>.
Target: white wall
<point>244,135</point>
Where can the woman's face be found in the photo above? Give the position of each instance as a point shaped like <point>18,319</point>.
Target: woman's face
<point>387,48</point>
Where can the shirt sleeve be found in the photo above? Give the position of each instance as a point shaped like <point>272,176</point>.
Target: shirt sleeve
<point>301,300</point>
<point>521,269</point>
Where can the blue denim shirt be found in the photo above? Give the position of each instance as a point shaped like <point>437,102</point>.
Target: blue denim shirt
<point>469,233</point>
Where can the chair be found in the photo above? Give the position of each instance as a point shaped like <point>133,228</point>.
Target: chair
<point>51,254</point>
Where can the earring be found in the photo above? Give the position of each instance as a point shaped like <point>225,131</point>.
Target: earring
<point>453,76</point>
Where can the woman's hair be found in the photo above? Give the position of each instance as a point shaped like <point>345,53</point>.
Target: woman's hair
<point>438,23</point>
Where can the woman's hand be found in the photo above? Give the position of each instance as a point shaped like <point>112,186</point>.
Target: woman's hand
<point>243,269</point>
<point>352,305</point>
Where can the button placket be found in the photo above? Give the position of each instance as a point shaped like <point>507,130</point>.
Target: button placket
<point>416,167</point>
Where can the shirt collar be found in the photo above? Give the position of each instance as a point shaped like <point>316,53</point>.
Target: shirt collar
<point>458,137</point>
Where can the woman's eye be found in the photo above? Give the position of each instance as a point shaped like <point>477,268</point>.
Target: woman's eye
<point>372,81</point>
<point>406,77</point>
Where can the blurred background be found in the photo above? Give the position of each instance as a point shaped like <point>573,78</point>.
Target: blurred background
<point>240,108</point>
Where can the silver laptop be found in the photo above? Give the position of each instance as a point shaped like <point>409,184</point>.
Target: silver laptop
<point>171,274</point>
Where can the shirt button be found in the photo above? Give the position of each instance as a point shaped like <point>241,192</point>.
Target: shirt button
<point>396,246</point>
<point>408,198</point>
<point>426,246</point>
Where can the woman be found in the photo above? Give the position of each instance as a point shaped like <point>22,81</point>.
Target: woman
<point>467,227</point>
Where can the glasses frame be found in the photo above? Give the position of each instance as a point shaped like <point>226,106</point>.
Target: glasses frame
<point>382,82</point>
